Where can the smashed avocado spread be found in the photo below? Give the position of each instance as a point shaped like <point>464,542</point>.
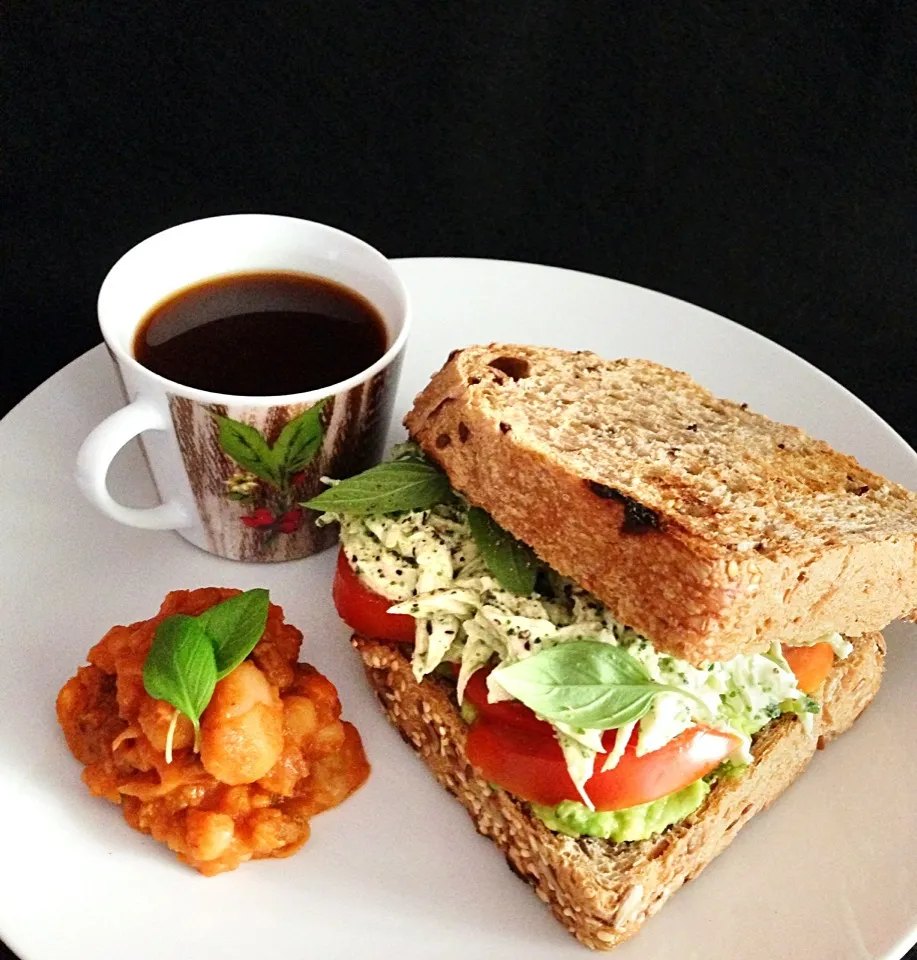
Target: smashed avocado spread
<point>428,564</point>
<point>634,823</point>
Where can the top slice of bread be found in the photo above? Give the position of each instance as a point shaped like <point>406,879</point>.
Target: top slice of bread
<point>710,528</point>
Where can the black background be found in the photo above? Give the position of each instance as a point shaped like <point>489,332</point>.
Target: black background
<point>754,158</point>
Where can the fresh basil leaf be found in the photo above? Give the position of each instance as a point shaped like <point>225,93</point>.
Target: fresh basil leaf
<point>585,684</point>
<point>408,450</point>
<point>300,440</point>
<point>512,563</point>
<point>234,627</point>
<point>388,488</point>
<point>245,445</point>
<point>180,667</point>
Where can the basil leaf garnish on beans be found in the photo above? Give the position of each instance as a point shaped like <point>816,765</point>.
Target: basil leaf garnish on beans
<point>512,563</point>
<point>392,487</point>
<point>586,684</point>
<point>181,669</point>
<point>190,654</point>
<point>234,627</point>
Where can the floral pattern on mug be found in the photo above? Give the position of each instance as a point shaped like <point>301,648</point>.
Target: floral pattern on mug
<point>250,467</point>
<point>271,475</point>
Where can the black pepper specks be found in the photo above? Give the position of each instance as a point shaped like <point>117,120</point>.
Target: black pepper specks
<point>505,427</point>
<point>637,517</point>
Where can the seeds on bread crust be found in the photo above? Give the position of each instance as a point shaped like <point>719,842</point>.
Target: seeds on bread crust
<point>603,892</point>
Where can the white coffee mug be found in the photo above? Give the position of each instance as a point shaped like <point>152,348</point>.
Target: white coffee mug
<point>213,491</point>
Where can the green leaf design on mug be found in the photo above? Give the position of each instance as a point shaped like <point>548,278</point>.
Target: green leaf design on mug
<point>295,448</point>
<point>512,563</point>
<point>300,440</point>
<point>586,684</point>
<point>244,444</point>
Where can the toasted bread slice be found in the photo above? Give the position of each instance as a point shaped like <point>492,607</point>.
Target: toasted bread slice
<point>602,891</point>
<point>708,527</point>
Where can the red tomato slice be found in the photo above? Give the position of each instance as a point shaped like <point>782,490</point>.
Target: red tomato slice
<point>527,763</point>
<point>810,664</point>
<point>531,766</point>
<point>509,711</point>
<point>365,611</point>
<point>690,756</point>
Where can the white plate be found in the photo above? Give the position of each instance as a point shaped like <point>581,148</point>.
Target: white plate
<point>398,870</point>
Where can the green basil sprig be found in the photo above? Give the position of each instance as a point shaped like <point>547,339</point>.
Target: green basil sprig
<point>190,654</point>
<point>585,684</point>
<point>391,487</point>
<point>234,627</point>
<point>513,564</point>
<point>181,669</point>
<point>408,450</point>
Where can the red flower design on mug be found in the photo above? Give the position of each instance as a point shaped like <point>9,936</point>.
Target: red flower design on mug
<point>291,521</point>
<point>262,517</point>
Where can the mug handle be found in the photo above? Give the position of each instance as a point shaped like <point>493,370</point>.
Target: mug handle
<point>98,451</point>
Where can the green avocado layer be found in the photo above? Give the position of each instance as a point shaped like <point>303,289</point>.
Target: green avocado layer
<point>635,823</point>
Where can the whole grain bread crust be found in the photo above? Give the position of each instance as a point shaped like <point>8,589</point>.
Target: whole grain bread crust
<point>601,891</point>
<point>710,528</point>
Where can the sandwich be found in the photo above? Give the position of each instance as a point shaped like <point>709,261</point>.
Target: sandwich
<point>615,615</point>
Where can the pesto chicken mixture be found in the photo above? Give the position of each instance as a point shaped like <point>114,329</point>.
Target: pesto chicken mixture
<point>427,563</point>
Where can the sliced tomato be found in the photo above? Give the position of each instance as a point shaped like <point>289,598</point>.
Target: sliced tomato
<point>366,611</point>
<point>527,763</point>
<point>810,664</point>
<point>530,765</point>
<point>690,756</point>
<point>511,712</point>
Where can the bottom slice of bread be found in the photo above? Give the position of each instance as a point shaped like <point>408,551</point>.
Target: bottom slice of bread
<point>601,891</point>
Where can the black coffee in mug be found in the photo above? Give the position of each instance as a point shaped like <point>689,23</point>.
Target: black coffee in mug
<point>261,334</point>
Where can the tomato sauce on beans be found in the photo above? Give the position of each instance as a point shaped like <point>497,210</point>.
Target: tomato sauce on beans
<point>273,753</point>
